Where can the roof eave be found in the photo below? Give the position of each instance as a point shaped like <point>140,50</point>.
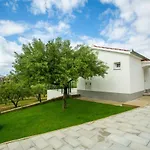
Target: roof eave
<point>143,58</point>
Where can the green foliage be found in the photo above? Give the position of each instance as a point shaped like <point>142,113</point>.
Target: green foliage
<point>87,63</point>
<point>31,65</point>
<point>38,90</point>
<point>13,90</point>
<point>66,64</point>
<point>57,63</point>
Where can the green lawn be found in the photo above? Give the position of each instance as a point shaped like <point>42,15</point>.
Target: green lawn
<point>49,116</point>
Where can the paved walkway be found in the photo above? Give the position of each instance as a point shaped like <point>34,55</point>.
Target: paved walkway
<point>126,131</point>
<point>139,102</point>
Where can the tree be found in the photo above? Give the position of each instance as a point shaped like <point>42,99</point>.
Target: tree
<point>13,91</point>
<point>68,64</point>
<point>31,66</point>
<point>38,90</point>
<point>57,63</point>
<point>2,96</point>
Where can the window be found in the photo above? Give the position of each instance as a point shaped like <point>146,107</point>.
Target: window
<point>117,66</point>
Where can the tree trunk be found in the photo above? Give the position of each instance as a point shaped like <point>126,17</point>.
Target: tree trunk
<point>39,98</point>
<point>65,97</point>
<point>15,103</point>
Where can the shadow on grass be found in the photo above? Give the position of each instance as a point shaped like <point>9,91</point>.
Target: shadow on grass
<point>1,126</point>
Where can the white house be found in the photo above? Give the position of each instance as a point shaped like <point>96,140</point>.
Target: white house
<point>128,76</point>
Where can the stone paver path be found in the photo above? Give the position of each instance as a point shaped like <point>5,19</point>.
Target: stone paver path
<point>126,131</point>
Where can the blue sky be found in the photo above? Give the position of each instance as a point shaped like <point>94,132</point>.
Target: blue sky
<point>113,23</point>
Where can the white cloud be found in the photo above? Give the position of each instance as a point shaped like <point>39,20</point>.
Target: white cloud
<point>24,40</point>
<point>65,6</point>
<point>91,41</point>
<point>7,50</point>
<point>8,28</point>
<point>115,30</point>
<point>46,31</point>
<point>142,25</point>
<point>125,7</point>
<point>131,28</point>
<point>108,13</point>
<point>61,27</point>
<point>135,11</point>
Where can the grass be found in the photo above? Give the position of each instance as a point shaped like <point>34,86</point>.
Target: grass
<point>49,116</point>
<point>21,103</point>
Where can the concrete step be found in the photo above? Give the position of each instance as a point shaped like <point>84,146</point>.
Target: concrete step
<point>146,94</point>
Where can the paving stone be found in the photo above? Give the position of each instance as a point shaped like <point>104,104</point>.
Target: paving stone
<point>121,120</point>
<point>27,144</point>
<point>119,147</point>
<point>66,147</point>
<point>114,125</point>
<point>114,131</point>
<point>75,128</point>
<point>33,148</point>
<point>59,134</point>
<point>111,123</point>
<point>148,145</point>
<point>148,126</point>
<point>55,142</point>
<point>3,147</point>
<point>125,125</point>
<point>47,136</point>
<point>79,148</point>
<point>137,146</point>
<point>104,133</point>
<point>129,130</point>
<point>109,120</point>
<point>87,127</point>
<point>86,133</point>
<point>133,122</point>
<point>97,138</point>
<point>14,146</point>
<point>102,146</point>
<point>34,138</point>
<point>86,142</point>
<point>136,139</point>
<point>72,141</point>
<point>48,148</point>
<point>72,133</point>
<point>119,139</point>
<point>145,135</point>
<point>41,143</point>
<point>6,148</point>
<point>141,128</point>
<point>98,125</point>
<point>144,123</point>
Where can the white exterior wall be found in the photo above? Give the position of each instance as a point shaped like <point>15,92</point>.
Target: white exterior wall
<point>116,81</point>
<point>136,75</point>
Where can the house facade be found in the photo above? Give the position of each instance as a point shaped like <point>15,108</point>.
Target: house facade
<point>127,79</point>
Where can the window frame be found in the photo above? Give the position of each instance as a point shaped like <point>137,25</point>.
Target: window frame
<point>116,66</point>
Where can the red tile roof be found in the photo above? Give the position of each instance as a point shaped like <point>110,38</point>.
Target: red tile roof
<point>110,48</point>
